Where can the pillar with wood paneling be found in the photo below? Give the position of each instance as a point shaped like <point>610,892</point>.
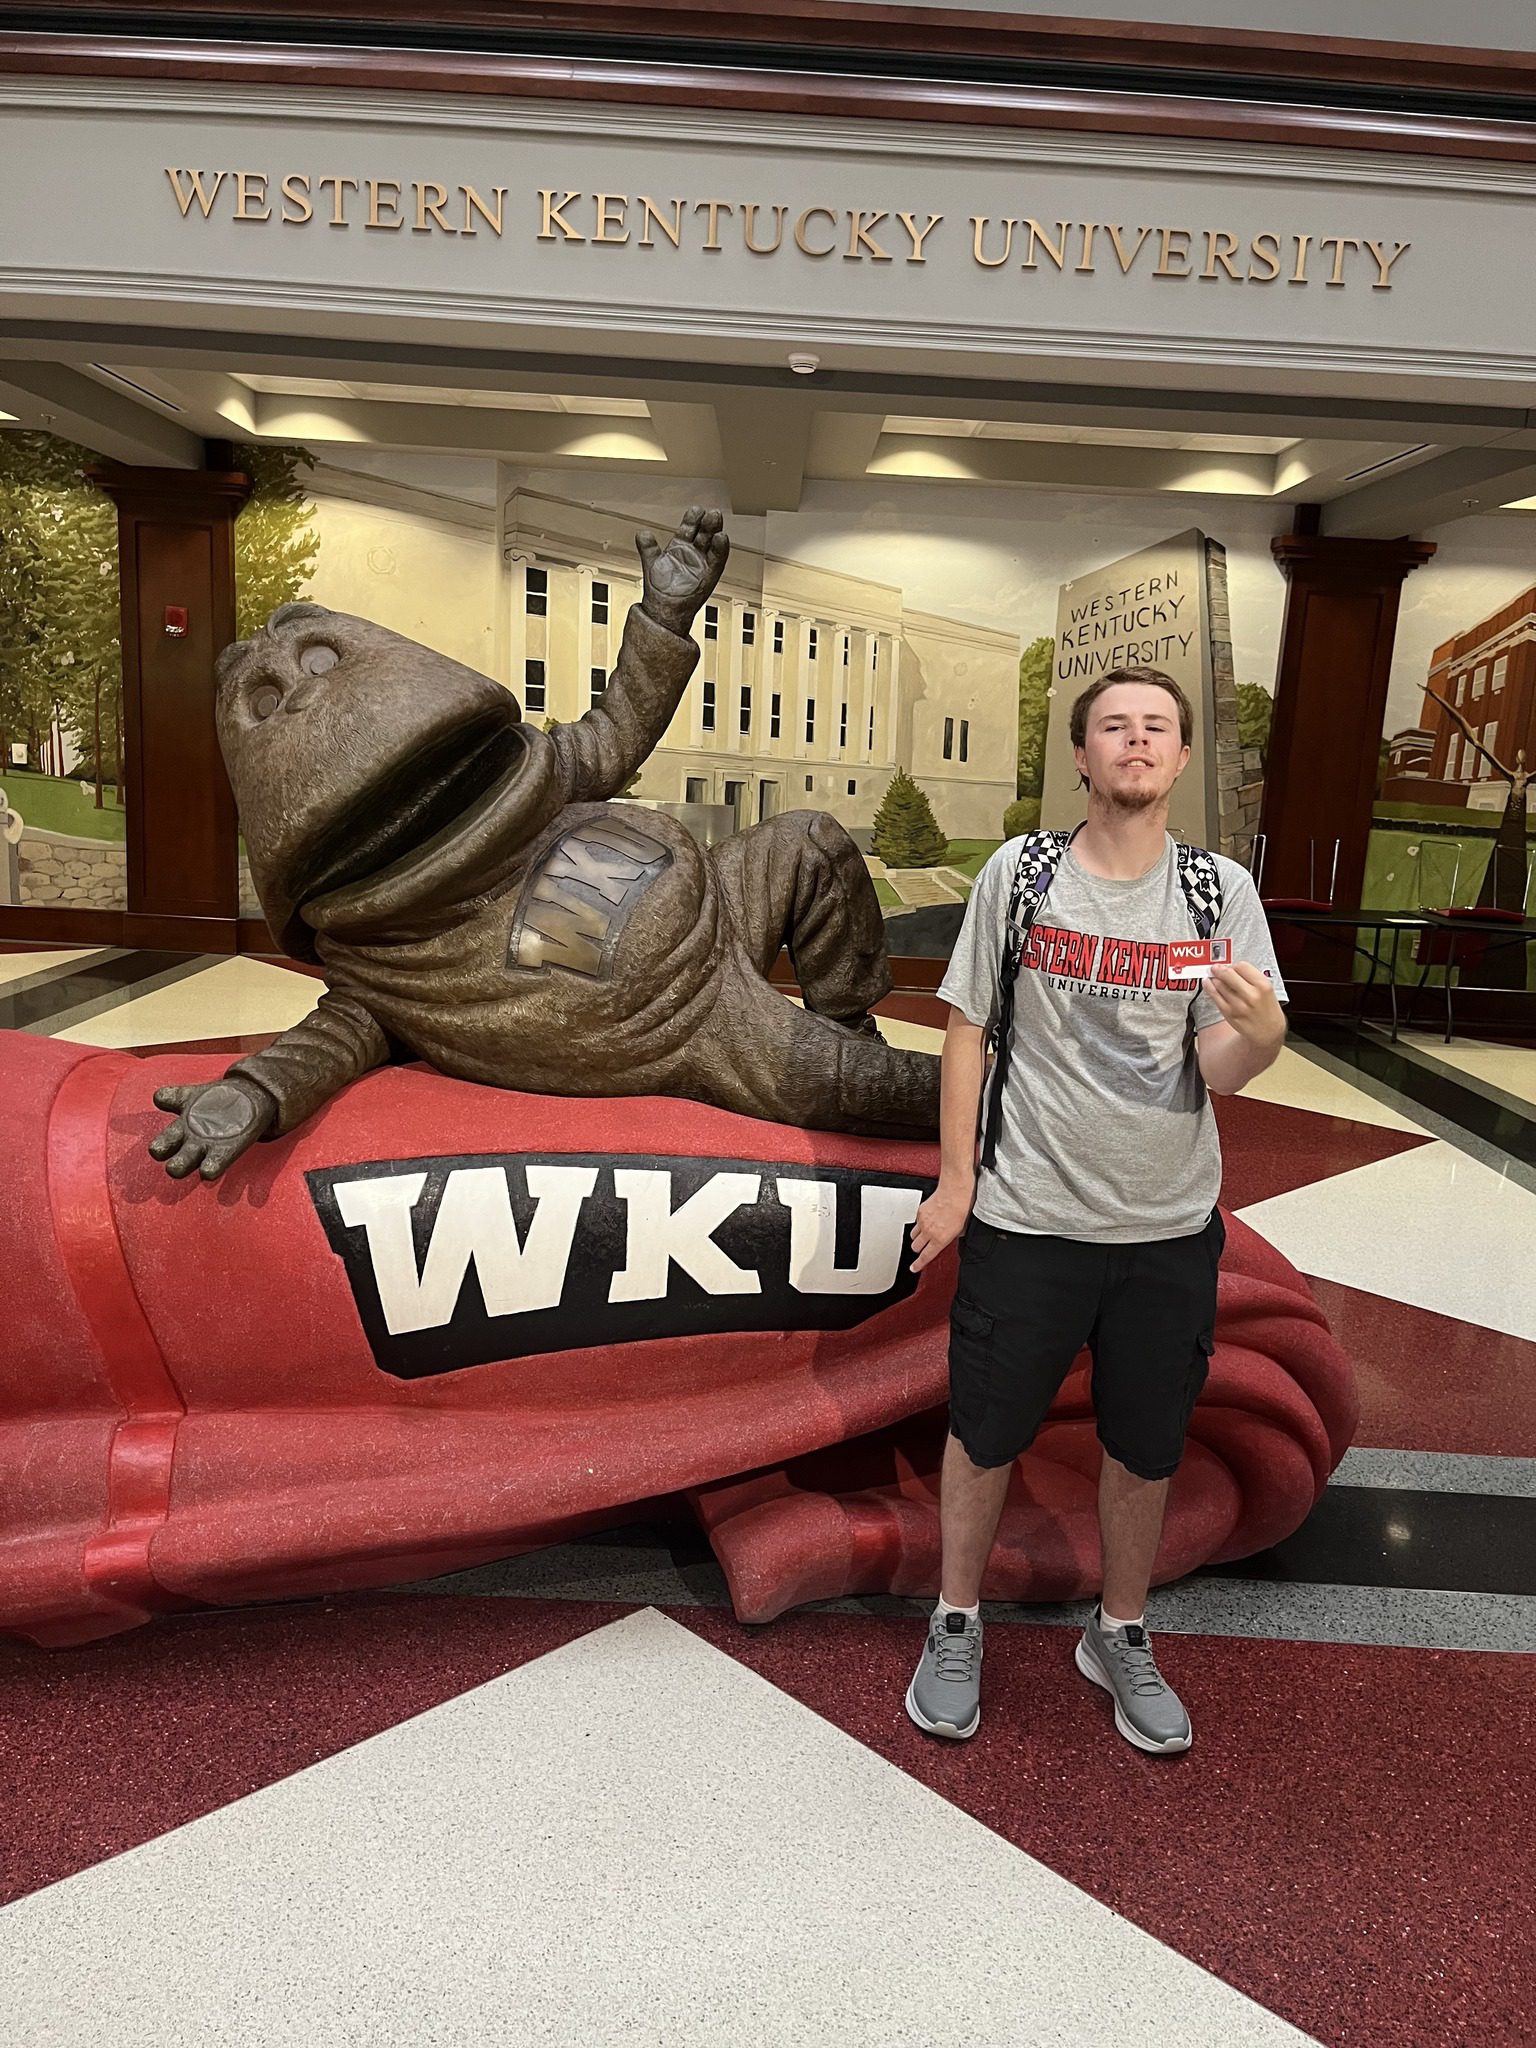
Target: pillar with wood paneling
<point>1330,704</point>
<point>177,570</point>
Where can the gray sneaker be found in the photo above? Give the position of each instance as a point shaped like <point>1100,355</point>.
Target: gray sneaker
<point>945,1694</point>
<point>1148,1711</point>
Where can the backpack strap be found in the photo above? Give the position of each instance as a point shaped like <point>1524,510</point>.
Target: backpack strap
<point>1039,858</point>
<point>1200,879</point>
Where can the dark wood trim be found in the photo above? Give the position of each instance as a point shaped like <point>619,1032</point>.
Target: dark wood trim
<point>1330,699</point>
<point>633,82</point>
<point>252,936</point>
<point>176,545</point>
<point>45,924</point>
<point>858,25</point>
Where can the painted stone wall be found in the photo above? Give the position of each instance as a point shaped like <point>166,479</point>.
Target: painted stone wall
<point>80,874</point>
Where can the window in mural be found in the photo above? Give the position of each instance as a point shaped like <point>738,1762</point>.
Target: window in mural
<point>775,715</point>
<point>536,593</point>
<point>534,693</point>
<point>599,604</point>
<point>62,823</point>
<point>707,707</point>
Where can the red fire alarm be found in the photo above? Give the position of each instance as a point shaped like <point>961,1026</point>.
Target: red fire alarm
<point>175,622</point>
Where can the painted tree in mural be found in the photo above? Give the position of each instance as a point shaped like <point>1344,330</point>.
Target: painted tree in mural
<point>1255,709</point>
<point>60,668</point>
<point>906,833</point>
<point>1037,666</point>
<point>276,548</point>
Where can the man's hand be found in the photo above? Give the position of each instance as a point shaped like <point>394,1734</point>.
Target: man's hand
<point>680,576</point>
<point>940,1220</point>
<point>1248,1003</point>
<point>216,1121</point>
<point>1251,1032</point>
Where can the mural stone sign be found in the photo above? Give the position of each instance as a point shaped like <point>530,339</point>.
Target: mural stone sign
<point>1163,607</point>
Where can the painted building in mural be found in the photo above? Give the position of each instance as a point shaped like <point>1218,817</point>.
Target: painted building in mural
<point>1489,673</point>
<point>813,686</point>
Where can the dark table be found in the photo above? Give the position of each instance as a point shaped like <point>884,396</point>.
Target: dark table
<point>1373,921</point>
<point>1468,925</point>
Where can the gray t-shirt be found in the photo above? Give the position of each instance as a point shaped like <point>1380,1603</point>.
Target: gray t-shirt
<point>1107,1134</point>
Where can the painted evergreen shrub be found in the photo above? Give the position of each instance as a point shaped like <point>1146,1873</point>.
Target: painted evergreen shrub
<point>906,833</point>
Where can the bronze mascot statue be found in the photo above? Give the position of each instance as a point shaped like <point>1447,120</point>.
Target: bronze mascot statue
<point>477,902</point>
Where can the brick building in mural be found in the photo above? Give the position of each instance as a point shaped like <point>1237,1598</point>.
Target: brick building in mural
<point>1489,673</point>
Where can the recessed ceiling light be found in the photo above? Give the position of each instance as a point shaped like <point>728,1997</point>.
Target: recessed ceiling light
<point>444,394</point>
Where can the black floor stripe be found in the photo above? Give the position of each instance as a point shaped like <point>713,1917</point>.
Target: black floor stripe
<point>1392,1536</point>
<point>1497,1123</point>
<point>99,984</point>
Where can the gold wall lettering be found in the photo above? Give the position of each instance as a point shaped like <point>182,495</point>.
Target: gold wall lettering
<point>1172,251</point>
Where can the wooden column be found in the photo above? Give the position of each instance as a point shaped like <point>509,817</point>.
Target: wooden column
<point>1330,702</point>
<point>176,561</point>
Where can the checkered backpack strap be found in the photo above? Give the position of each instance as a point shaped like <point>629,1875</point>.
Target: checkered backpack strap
<point>1200,879</point>
<point>1039,857</point>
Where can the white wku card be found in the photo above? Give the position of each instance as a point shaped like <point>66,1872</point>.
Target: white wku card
<point>1193,959</point>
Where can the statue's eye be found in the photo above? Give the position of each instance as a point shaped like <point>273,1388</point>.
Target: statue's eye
<point>315,661</point>
<point>265,700</point>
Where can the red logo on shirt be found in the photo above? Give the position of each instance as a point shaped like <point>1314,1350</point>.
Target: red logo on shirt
<point>1112,963</point>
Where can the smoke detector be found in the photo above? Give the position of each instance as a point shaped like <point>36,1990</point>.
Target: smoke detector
<point>804,365</point>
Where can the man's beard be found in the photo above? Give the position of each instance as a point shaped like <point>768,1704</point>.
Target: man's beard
<point>1133,799</point>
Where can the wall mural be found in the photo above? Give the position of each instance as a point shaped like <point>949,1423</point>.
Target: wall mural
<point>892,660</point>
<point>63,822</point>
<point>895,660</point>
<point>1452,819</point>
<point>61,716</point>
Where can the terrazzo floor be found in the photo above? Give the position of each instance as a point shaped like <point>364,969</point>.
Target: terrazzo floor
<point>568,1798</point>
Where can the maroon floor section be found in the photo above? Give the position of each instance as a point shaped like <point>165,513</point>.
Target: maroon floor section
<point>1349,1842</point>
<point>104,1747</point>
<point>1268,1149</point>
<point>1431,1383</point>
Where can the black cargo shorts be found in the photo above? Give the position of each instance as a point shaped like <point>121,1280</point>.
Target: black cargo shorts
<point>1025,1306</point>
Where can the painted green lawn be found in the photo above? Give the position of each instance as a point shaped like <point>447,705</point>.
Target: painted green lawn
<point>969,856</point>
<point>889,900</point>
<point>57,804</point>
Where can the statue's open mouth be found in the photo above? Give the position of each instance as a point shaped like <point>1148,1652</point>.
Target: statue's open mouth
<point>428,794</point>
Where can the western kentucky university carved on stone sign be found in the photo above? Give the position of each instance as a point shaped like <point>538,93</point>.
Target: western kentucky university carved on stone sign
<point>457,1262</point>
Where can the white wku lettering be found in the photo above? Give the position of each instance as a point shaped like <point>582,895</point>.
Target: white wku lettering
<point>474,1226</point>
<point>884,1214</point>
<point>660,1236</point>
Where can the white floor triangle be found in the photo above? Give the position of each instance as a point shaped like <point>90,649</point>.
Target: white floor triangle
<point>632,1840</point>
<point>235,997</point>
<point>1431,1227</point>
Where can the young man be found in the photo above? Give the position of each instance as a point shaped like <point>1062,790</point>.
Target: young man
<point>1095,1221</point>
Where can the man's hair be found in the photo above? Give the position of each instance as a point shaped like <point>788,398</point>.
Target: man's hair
<point>1155,676</point>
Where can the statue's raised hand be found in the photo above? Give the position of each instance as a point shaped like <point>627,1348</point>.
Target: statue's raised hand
<point>216,1121</point>
<point>679,576</point>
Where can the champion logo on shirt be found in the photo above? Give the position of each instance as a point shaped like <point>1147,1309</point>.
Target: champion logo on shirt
<point>1116,969</point>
